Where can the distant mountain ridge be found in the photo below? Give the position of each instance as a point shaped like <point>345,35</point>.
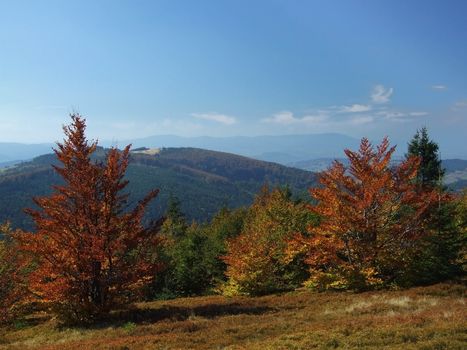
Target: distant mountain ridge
<point>12,151</point>
<point>275,148</point>
<point>283,149</point>
<point>203,180</point>
<point>456,173</point>
<point>455,177</point>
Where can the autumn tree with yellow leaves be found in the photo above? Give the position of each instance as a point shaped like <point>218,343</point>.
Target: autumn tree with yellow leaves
<point>256,259</point>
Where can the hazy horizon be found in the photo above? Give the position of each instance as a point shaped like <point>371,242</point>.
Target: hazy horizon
<point>224,69</point>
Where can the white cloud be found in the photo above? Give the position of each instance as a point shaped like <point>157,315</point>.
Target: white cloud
<point>216,117</point>
<point>355,108</point>
<point>418,114</point>
<point>284,117</point>
<point>314,119</point>
<point>287,118</point>
<point>459,105</point>
<point>380,94</point>
<point>396,116</point>
<point>439,87</point>
<point>392,114</point>
<point>400,117</point>
<point>361,120</point>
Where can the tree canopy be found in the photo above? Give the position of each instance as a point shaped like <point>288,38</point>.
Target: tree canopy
<point>430,171</point>
<point>371,218</point>
<point>90,249</point>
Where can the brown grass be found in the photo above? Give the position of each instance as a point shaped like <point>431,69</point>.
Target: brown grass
<point>420,318</point>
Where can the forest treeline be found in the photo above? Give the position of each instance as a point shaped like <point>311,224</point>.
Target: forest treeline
<point>206,180</point>
<point>370,225</point>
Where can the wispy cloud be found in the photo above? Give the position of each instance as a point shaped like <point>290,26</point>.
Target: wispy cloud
<point>216,117</point>
<point>397,116</point>
<point>380,94</point>
<point>459,105</point>
<point>357,116</point>
<point>287,118</point>
<point>365,119</point>
<point>284,117</point>
<point>355,108</point>
<point>418,114</point>
<point>391,114</point>
<point>439,87</point>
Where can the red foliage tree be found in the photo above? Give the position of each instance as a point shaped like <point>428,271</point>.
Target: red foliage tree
<point>91,251</point>
<point>371,217</point>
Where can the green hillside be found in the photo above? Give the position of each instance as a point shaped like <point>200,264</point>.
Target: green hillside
<point>204,180</point>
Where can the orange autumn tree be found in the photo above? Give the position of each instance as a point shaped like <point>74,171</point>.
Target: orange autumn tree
<point>371,218</point>
<point>13,276</point>
<point>92,252</point>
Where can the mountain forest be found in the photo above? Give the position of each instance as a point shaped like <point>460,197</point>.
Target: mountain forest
<point>93,254</point>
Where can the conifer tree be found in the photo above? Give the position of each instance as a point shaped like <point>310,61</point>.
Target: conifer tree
<point>439,258</point>
<point>175,225</point>
<point>430,171</point>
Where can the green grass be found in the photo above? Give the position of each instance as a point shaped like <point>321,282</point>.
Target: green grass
<point>420,318</point>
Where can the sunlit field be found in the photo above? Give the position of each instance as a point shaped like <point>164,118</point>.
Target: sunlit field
<point>420,318</point>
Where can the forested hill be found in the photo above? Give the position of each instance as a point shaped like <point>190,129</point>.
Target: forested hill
<point>204,181</point>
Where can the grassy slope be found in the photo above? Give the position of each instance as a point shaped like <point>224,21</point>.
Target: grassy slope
<point>420,318</point>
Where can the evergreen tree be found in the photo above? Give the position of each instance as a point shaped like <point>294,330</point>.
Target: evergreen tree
<point>442,243</point>
<point>175,224</point>
<point>461,223</point>
<point>192,261</point>
<point>174,210</point>
<point>430,172</point>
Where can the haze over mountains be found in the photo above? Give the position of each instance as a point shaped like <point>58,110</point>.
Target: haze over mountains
<point>283,149</point>
<point>205,180</point>
<point>11,152</point>
<point>455,169</point>
<point>280,149</point>
<point>308,152</point>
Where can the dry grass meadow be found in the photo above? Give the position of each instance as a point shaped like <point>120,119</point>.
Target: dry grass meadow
<point>432,317</point>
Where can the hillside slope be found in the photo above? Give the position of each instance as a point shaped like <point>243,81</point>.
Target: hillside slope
<point>203,180</point>
<point>419,318</point>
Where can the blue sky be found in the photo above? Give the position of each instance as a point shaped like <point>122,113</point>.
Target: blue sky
<point>225,68</point>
